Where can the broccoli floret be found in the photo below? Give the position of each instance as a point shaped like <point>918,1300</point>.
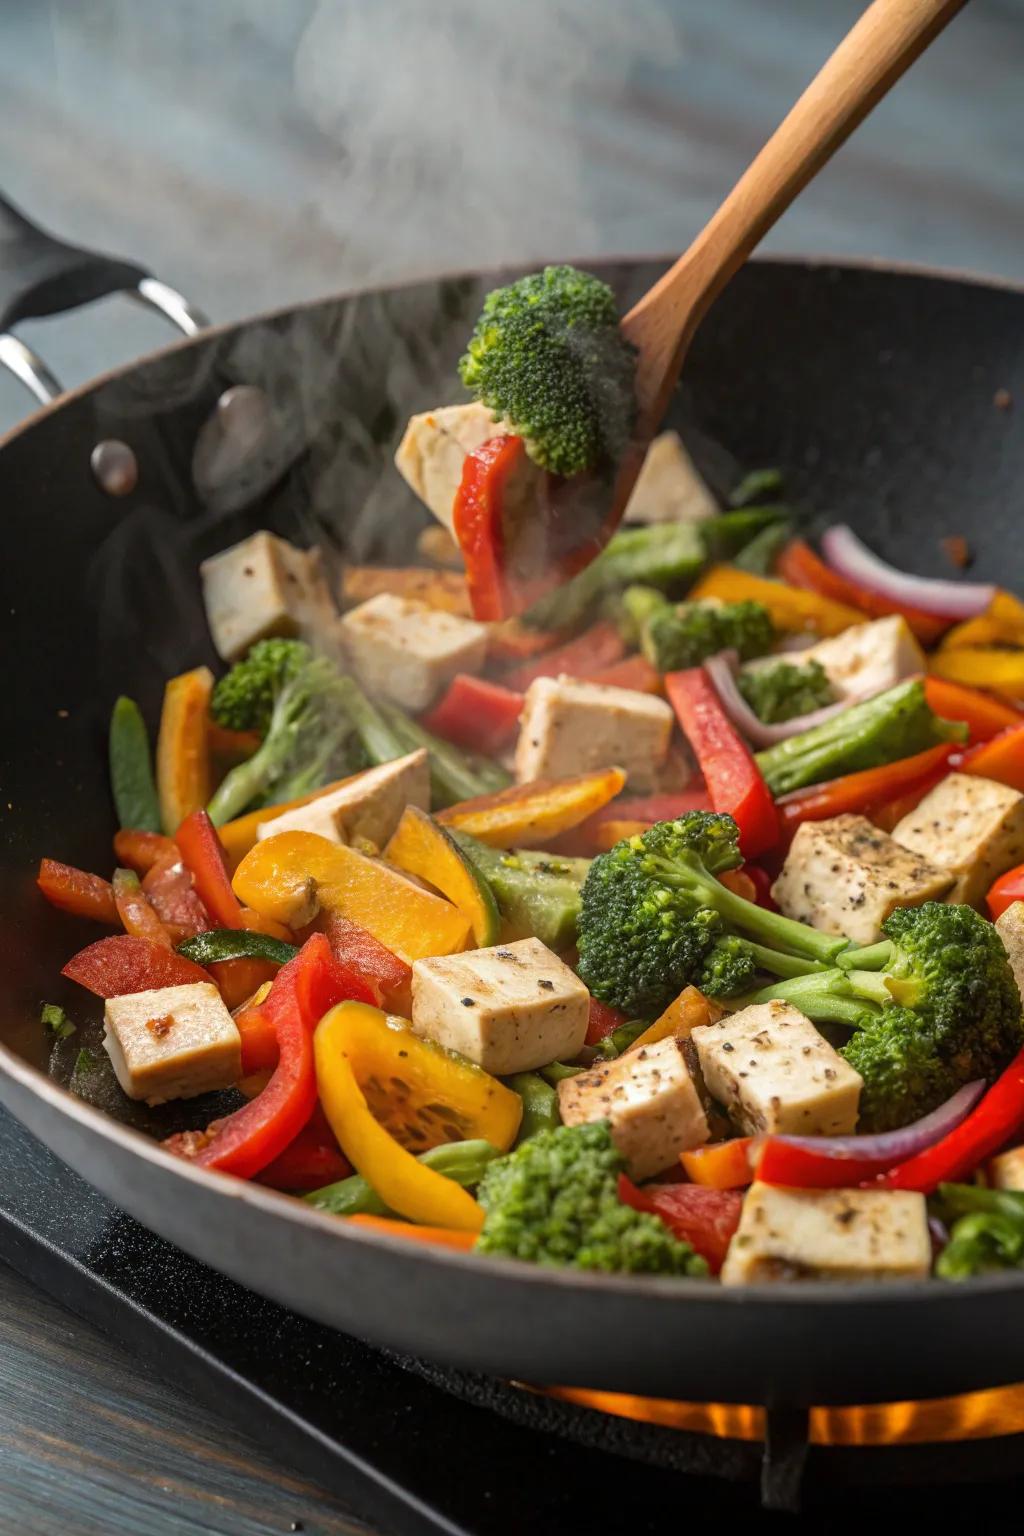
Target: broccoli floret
<point>652,913</point>
<point>935,1005</point>
<point>554,1201</point>
<point>986,1231</point>
<point>892,725</point>
<point>785,690</point>
<point>244,698</point>
<point>684,635</point>
<point>308,726</point>
<point>547,357</point>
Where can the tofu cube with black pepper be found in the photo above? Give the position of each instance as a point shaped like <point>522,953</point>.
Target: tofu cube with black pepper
<point>972,827</point>
<point>828,1234</point>
<point>868,658</point>
<point>511,1008</point>
<point>408,652</point>
<point>569,727</point>
<point>773,1073</point>
<point>367,806</point>
<point>264,586</point>
<point>846,876</point>
<point>1010,928</point>
<point>1007,1170</point>
<point>433,451</point>
<point>652,1100</point>
<point>172,1042</point>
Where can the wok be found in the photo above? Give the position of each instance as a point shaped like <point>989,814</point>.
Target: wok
<point>872,388</point>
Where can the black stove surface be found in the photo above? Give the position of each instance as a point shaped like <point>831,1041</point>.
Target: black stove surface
<point>416,1449</point>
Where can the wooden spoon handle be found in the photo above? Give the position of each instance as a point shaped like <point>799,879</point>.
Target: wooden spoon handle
<point>884,42</point>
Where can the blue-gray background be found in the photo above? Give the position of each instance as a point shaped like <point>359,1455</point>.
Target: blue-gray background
<point>255,152</point>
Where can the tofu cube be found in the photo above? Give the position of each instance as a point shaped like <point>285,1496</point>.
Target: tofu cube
<point>868,658</point>
<point>829,1234</point>
<point>846,876</point>
<point>1007,1170</point>
<point>971,826</point>
<point>650,1097</point>
<point>264,586</point>
<point>1010,928</point>
<point>669,488</point>
<point>368,806</point>
<point>510,1009</point>
<point>407,651</point>
<point>772,1072</point>
<point>568,727</point>
<point>172,1042</point>
<point>434,448</point>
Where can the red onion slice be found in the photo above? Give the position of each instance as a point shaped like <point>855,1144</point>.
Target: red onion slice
<point>846,554</point>
<point>720,670</point>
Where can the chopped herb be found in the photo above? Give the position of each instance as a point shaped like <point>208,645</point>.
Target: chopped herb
<point>54,1017</point>
<point>85,1061</point>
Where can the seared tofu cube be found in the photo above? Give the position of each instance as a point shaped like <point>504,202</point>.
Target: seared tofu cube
<point>868,658</point>
<point>1007,1170</point>
<point>772,1072</point>
<point>407,651</point>
<point>510,1009</point>
<point>829,1234</point>
<point>846,876</point>
<point>651,1099</point>
<point>568,727</point>
<point>1010,928</point>
<point>366,807</point>
<point>971,826</point>
<point>172,1042</point>
<point>669,488</point>
<point>264,586</point>
<point>434,448</point>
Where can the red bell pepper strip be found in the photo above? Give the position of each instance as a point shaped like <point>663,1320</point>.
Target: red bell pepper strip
<point>247,1141</point>
<point>77,891</point>
<point>171,891</point>
<point>598,648</point>
<point>984,715</point>
<point>801,567</point>
<point>478,518</point>
<point>863,792</point>
<point>997,1118</point>
<point>602,1021</point>
<point>312,1160</point>
<point>203,856</point>
<point>482,716</point>
<point>733,781</point>
<point>1005,891</point>
<point>134,910</point>
<point>122,964</point>
<point>1001,759</point>
<point>652,808</point>
<point>141,850</point>
<point>704,1218</point>
<point>385,978</point>
<point>722,1165</point>
<point>259,1039</point>
<point>762,882</point>
<point>633,672</point>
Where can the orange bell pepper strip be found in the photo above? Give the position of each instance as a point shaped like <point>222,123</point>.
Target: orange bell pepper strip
<point>133,908</point>
<point>801,567</point>
<point>596,649</point>
<point>793,609</point>
<point>983,715</point>
<point>442,1237</point>
<point>76,891</point>
<point>183,778</point>
<point>238,836</point>
<point>140,850</point>
<point>683,1015</point>
<point>203,856</point>
<point>865,791</point>
<point>528,815</point>
<point>1001,759</point>
<point>170,889</point>
<point>607,833</point>
<point>722,1165</point>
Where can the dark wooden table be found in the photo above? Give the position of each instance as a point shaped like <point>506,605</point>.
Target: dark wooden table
<point>255,154</point>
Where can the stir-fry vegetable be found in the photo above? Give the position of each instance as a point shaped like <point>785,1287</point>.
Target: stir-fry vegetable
<point>131,769</point>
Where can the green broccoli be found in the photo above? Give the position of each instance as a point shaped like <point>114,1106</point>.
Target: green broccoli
<point>244,698</point>
<point>934,1005</point>
<point>785,690</point>
<point>548,358</point>
<point>668,556</point>
<point>554,1201</point>
<point>987,1230</point>
<point>684,635</point>
<point>654,918</point>
<point>894,724</point>
<point>308,729</point>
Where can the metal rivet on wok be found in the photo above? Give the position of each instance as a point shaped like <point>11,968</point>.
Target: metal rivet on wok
<point>115,466</point>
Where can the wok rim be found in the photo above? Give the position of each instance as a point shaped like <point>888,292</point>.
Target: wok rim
<point>828,1296</point>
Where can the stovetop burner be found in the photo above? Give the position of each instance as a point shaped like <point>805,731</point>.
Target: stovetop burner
<point>416,1448</point>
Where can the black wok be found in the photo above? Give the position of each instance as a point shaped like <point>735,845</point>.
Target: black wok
<point>873,389</point>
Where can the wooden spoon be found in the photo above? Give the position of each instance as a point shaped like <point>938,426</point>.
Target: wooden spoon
<point>885,41</point>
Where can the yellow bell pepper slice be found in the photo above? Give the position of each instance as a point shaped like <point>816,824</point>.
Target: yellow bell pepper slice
<point>683,1015</point>
<point>422,848</point>
<point>529,814</point>
<point>275,877</point>
<point>988,667</point>
<point>1002,623</point>
<point>792,609</point>
<point>182,751</point>
<point>384,1090</point>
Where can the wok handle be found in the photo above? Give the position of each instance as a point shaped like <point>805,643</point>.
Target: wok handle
<point>43,275</point>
